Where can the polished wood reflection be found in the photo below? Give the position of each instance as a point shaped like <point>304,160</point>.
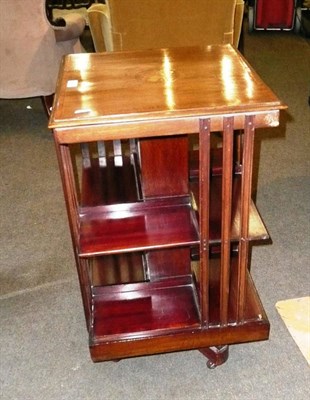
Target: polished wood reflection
<point>157,84</point>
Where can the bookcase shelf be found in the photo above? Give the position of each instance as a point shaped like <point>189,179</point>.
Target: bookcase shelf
<point>137,226</point>
<point>140,309</point>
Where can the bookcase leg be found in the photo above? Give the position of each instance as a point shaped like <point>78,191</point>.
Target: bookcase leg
<point>216,355</point>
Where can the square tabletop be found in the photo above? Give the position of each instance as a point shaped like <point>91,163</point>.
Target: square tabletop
<point>156,85</point>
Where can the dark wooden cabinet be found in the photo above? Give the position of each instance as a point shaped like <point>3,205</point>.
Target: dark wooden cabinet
<point>155,150</point>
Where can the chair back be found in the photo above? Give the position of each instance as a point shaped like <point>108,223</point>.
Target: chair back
<point>140,24</point>
<point>29,53</point>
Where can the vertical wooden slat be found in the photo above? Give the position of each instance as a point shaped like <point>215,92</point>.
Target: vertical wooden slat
<point>70,190</point>
<point>85,155</point>
<point>118,157</point>
<point>102,154</point>
<point>238,137</point>
<point>245,200</point>
<point>84,272</point>
<point>204,215</point>
<point>132,146</point>
<point>72,204</point>
<point>227,179</point>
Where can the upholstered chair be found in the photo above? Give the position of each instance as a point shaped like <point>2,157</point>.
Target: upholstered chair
<point>31,48</point>
<point>139,24</point>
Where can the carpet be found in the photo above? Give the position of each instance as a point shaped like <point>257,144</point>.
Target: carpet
<point>296,316</point>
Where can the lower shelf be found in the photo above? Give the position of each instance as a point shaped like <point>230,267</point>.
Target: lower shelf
<point>139,309</point>
<point>163,316</point>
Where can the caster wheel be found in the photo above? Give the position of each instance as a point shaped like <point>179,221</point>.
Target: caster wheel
<point>211,365</point>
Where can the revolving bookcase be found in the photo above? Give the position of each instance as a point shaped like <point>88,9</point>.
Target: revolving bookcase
<point>155,151</point>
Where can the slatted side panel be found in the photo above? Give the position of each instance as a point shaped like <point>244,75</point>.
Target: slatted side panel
<point>229,295</point>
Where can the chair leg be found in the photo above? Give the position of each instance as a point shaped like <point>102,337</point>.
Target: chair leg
<point>47,102</point>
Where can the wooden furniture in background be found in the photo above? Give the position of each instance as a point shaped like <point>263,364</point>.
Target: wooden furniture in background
<point>161,231</point>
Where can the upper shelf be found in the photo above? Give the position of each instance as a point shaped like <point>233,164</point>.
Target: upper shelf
<point>156,85</point>
<point>151,224</point>
<point>140,226</point>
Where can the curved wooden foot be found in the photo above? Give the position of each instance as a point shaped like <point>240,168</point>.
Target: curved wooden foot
<point>216,355</point>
